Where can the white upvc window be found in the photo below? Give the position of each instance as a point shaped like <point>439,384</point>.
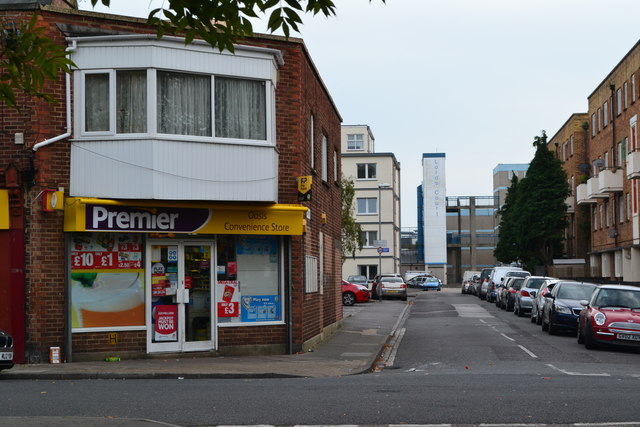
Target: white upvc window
<point>626,95</point>
<point>621,209</point>
<point>571,145</point>
<point>312,153</point>
<point>593,124</point>
<point>311,273</point>
<point>183,105</point>
<point>619,101</point>
<point>633,87</point>
<point>325,160</point>
<point>355,141</point>
<point>367,205</point>
<point>335,165</point>
<point>595,218</point>
<point>600,119</point>
<point>366,170</point>
<point>628,207</point>
<point>368,238</point>
<point>605,114</point>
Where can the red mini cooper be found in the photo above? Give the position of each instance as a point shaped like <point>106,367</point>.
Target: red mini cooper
<point>612,316</point>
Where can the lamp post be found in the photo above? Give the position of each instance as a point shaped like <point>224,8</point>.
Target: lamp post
<point>380,187</point>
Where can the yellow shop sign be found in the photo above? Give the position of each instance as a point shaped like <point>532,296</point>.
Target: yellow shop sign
<point>87,214</point>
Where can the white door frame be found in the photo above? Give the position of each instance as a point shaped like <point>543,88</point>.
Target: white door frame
<point>182,297</point>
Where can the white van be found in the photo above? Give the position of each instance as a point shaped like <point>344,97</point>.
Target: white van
<point>496,278</point>
<point>410,274</point>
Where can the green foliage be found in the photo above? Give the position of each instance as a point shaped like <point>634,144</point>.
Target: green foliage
<point>534,216</point>
<point>351,230</point>
<point>221,23</point>
<point>27,59</point>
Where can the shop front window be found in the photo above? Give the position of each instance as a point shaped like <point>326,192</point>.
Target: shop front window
<point>248,279</point>
<point>107,281</point>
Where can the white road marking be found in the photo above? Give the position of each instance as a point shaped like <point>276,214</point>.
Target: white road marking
<point>471,310</point>
<point>577,373</point>
<point>529,352</point>
<point>508,337</point>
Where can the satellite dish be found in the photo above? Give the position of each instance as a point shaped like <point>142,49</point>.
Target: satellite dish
<point>584,167</point>
<point>599,163</point>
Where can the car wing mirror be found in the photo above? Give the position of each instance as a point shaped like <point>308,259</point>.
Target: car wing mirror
<point>584,303</point>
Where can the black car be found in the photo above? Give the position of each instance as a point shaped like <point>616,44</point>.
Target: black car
<point>562,308</point>
<point>6,350</point>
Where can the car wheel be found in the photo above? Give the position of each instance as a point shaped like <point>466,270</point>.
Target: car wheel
<point>551,328</point>
<point>404,298</point>
<point>589,342</point>
<point>520,313</point>
<point>533,318</point>
<point>515,309</point>
<point>580,335</point>
<point>348,298</point>
<point>545,326</point>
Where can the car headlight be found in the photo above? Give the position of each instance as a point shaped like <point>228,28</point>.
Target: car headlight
<point>563,309</point>
<point>600,318</point>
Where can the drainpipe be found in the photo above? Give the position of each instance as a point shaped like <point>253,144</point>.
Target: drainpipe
<point>614,163</point>
<point>67,134</point>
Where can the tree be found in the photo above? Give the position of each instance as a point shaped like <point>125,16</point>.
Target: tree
<point>351,230</point>
<point>540,209</point>
<point>27,59</point>
<point>506,250</point>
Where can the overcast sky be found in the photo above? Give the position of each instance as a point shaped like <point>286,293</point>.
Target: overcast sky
<point>475,79</point>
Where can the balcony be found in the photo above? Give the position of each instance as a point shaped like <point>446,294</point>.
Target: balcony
<point>633,165</point>
<point>571,204</point>
<point>593,189</point>
<point>582,196</point>
<point>610,181</point>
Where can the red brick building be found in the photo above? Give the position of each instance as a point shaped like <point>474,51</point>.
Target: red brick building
<point>156,206</point>
<point>611,190</point>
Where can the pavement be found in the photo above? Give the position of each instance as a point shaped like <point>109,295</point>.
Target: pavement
<point>359,346</point>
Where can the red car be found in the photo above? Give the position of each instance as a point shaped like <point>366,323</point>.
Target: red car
<point>352,293</point>
<point>612,316</point>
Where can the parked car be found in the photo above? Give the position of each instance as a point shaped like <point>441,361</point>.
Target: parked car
<point>376,279</point>
<point>467,285</point>
<point>523,302</point>
<point>392,286</point>
<point>496,278</point>
<point>353,293</point>
<point>428,283</point>
<point>358,279</point>
<point>611,316</point>
<point>508,291</point>
<point>484,277</point>
<point>537,305</point>
<point>6,350</point>
<point>562,310</point>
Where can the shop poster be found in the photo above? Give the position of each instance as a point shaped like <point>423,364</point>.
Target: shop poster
<point>228,298</point>
<point>166,323</point>
<point>107,280</point>
<point>260,308</point>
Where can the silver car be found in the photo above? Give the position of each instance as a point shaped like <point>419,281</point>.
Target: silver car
<point>524,297</point>
<point>393,287</point>
<point>6,350</point>
<point>539,300</point>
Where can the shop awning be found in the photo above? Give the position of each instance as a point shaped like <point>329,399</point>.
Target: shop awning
<point>92,214</point>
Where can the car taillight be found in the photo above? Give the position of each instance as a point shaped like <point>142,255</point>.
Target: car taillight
<point>513,291</point>
<point>404,285</point>
<point>524,294</point>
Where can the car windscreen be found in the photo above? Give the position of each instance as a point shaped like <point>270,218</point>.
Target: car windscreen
<point>517,274</point>
<point>575,291</point>
<point>535,283</point>
<point>392,279</point>
<point>357,279</point>
<point>517,283</point>
<point>618,298</point>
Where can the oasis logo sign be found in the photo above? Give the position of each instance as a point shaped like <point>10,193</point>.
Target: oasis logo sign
<point>152,219</point>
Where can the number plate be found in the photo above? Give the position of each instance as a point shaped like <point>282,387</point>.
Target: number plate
<point>6,355</point>
<point>391,291</point>
<point>628,337</point>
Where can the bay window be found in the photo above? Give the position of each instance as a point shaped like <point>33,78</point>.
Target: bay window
<point>188,104</point>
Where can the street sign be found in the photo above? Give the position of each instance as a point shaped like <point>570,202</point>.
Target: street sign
<point>380,249</point>
<point>385,249</point>
<point>380,243</point>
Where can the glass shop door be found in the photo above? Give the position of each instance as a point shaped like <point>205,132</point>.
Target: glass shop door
<point>180,313</point>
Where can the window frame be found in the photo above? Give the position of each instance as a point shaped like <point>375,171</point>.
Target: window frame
<point>152,112</point>
<point>367,212</point>
<point>324,159</point>
<point>349,147</point>
<point>368,242</point>
<point>312,142</point>
<point>367,177</point>
<point>619,101</point>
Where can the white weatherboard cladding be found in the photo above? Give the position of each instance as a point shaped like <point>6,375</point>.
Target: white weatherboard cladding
<point>173,170</point>
<point>174,55</point>
<point>435,212</point>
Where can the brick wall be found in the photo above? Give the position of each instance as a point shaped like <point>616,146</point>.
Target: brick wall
<point>299,94</point>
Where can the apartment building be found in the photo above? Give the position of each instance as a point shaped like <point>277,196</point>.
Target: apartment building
<point>570,146</point>
<point>155,207</point>
<point>611,190</point>
<point>376,178</point>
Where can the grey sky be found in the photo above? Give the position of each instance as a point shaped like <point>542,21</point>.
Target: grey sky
<point>477,80</point>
